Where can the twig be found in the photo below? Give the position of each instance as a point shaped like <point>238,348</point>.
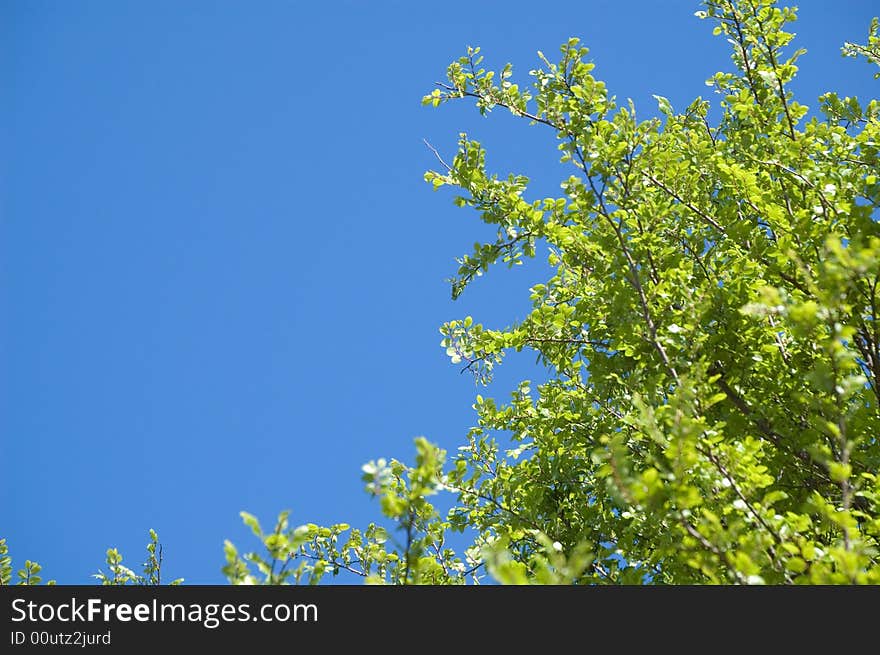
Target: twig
<point>437,155</point>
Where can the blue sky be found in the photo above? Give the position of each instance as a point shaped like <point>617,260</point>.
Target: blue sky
<point>221,274</point>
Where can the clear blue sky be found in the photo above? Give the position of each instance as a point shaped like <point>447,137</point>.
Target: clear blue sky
<point>222,274</point>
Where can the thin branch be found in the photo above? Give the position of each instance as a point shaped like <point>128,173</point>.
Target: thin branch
<point>583,342</point>
<point>708,219</point>
<point>497,101</point>
<point>437,155</point>
<point>473,569</point>
<point>409,539</point>
<point>773,64</point>
<point>334,563</point>
<point>633,269</point>
<point>764,426</point>
<point>496,503</point>
<point>793,281</point>
<point>724,472</point>
<point>741,42</point>
<point>782,349</point>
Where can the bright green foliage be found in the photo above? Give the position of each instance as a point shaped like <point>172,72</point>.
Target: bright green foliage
<point>309,552</point>
<point>118,573</point>
<point>121,575</point>
<point>870,51</point>
<point>5,563</point>
<point>29,575</point>
<point>711,333</point>
<point>711,327</point>
<point>414,552</point>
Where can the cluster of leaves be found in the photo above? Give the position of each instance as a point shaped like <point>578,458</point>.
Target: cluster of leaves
<point>29,575</point>
<point>870,50</point>
<point>307,553</point>
<point>119,575</point>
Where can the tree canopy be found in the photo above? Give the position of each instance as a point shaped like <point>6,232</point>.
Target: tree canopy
<point>710,331</point>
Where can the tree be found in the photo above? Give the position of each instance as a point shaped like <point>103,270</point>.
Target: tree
<point>710,329</point>
<point>711,332</point>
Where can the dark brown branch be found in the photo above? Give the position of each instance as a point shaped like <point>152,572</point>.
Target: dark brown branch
<point>794,282</point>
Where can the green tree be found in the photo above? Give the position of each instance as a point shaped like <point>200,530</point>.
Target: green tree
<point>711,335</point>
<point>710,330</point>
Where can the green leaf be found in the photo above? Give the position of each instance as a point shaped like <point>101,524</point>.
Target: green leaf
<point>251,521</point>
